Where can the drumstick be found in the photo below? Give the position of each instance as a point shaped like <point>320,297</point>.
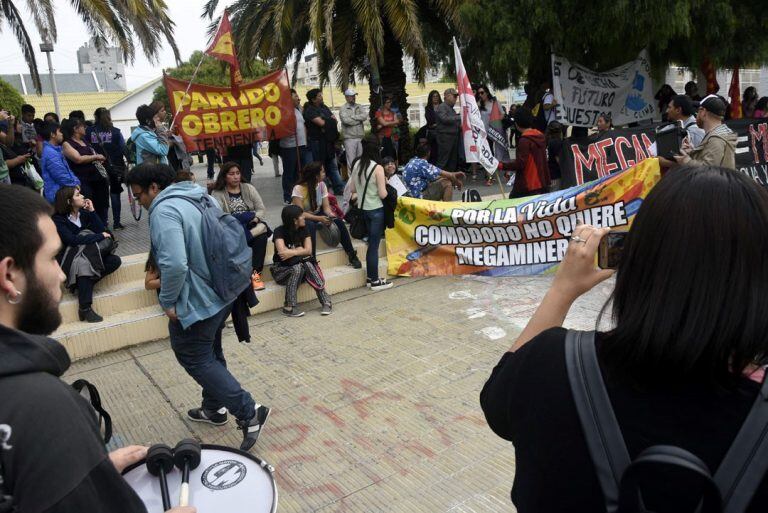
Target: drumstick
<point>186,456</point>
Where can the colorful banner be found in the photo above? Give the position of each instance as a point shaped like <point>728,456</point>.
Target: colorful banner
<point>516,237</point>
<point>476,147</point>
<point>589,158</point>
<point>582,95</point>
<point>214,117</point>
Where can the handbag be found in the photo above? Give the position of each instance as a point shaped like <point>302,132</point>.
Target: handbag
<point>355,216</point>
<point>101,169</point>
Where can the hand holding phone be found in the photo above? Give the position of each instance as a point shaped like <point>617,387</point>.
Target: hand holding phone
<point>610,249</point>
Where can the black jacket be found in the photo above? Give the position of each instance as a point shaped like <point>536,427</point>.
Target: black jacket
<point>53,457</point>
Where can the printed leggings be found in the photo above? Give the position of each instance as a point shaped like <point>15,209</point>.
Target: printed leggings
<point>292,275</point>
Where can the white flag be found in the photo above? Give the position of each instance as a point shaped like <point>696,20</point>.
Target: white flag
<point>476,147</point>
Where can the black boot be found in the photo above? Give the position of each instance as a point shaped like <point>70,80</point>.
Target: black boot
<point>354,261</point>
<point>88,315</point>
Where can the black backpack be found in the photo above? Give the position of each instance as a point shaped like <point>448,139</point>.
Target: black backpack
<point>729,491</point>
<point>471,196</point>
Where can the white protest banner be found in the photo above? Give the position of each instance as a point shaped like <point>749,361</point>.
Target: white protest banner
<point>476,147</point>
<point>625,92</point>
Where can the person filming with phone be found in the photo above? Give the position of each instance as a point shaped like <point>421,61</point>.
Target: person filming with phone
<point>718,146</point>
<point>682,363</point>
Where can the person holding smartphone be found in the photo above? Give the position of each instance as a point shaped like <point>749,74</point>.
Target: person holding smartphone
<point>683,360</point>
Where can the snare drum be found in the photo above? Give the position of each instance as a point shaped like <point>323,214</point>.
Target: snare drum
<point>227,480</point>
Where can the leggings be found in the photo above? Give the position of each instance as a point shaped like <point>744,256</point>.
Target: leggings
<point>292,275</point>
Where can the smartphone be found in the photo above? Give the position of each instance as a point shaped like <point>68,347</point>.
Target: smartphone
<point>609,250</point>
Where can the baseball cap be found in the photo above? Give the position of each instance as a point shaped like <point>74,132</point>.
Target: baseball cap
<point>350,92</point>
<point>451,90</point>
<point>714,105</point>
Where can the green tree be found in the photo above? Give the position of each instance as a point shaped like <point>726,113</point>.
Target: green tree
<point>212,72</point>
<point>509,42</point>
<point>10,100</point>
<point>119,21</point>
<point>352,37</point>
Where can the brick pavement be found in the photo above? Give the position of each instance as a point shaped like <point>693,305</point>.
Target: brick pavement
<point>134,238</point>
<point>375,409</point>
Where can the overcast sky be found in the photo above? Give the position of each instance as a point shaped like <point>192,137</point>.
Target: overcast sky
<point>190,35</point>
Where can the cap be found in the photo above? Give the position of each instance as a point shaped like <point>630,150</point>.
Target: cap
<point>350,92</point>
<point>451,90</point>
<point>714,105</point>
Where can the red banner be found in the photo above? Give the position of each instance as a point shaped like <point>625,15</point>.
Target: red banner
<point>223,48</point>
<point>214,117</point>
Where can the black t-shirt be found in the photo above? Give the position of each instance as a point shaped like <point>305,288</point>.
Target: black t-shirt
<point>554,146</point>
<point>527,400</point>
<point>280,233</point>
<point>329,132</point>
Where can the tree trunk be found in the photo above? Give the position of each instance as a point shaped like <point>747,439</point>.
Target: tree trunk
<point>392,80</point>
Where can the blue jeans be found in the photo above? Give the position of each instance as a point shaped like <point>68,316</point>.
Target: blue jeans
<point>198,349</point>
<point>322,151</point>
<point>292,167</point>
<point>374,222</point>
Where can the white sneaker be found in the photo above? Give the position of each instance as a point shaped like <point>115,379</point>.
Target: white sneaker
<point>381,284</point>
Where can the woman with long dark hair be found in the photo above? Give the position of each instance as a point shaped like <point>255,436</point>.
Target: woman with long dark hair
<point>294,262</point>
<point>433,100</point>
<point>244,202</point>
<point>311,194</point>
<point>369,186</point>
<point>683,363</point>
<point>83,160</point>
<point>149,146</point>
<point>749,101</point>
<point>486,102</point>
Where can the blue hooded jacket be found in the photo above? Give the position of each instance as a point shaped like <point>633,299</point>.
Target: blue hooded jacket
<point>147,140</point>
<point>175,228</point>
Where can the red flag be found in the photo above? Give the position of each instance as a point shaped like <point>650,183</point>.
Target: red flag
<point>709,72</point>
<point>223,48</point>
<point>735,93</point>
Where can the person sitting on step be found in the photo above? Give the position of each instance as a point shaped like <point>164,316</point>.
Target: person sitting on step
<point>83,261</point>
<point>243,201</point>
<point>311,194</point>
<point>294,262</point>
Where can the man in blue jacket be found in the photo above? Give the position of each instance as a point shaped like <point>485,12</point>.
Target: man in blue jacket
<point>196,313</point>
<point>56,171</point>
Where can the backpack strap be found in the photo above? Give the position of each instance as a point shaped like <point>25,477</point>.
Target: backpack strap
<point>95,400</point>
<point>744,465</point>
<point>367,180</point>
<point>598,421</point>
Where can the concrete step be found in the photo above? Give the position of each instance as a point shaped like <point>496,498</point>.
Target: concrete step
<point>148,323</point>
<point>112,297</point>
<point>132,268</point>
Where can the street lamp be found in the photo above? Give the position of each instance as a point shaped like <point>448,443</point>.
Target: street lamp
<point>47,47</point>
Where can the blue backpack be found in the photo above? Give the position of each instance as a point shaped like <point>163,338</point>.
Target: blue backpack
<point>226,252</point>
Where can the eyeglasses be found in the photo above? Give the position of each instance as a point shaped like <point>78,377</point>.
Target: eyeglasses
<point>482,92</point>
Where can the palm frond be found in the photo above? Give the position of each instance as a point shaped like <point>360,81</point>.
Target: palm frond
<point>16,23</point>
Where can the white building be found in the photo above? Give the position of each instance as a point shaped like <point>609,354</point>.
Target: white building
<point>106,63</point>
<point>124,111</point>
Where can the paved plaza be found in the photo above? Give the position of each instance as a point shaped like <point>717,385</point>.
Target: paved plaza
<point>374,409</point>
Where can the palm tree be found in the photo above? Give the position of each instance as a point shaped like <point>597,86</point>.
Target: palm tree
<point>118,21</point>
<point>351,37</point>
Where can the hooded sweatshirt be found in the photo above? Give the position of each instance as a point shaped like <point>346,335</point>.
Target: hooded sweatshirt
<point>175,228</point>
<point>718,148</point>
<point>53,457</point>
<point>146,140</point>
<point>530,164</point>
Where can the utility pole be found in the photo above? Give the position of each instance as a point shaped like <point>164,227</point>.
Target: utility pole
<point>47,47</point>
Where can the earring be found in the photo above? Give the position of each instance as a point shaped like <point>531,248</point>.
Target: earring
<point>14,301</point>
